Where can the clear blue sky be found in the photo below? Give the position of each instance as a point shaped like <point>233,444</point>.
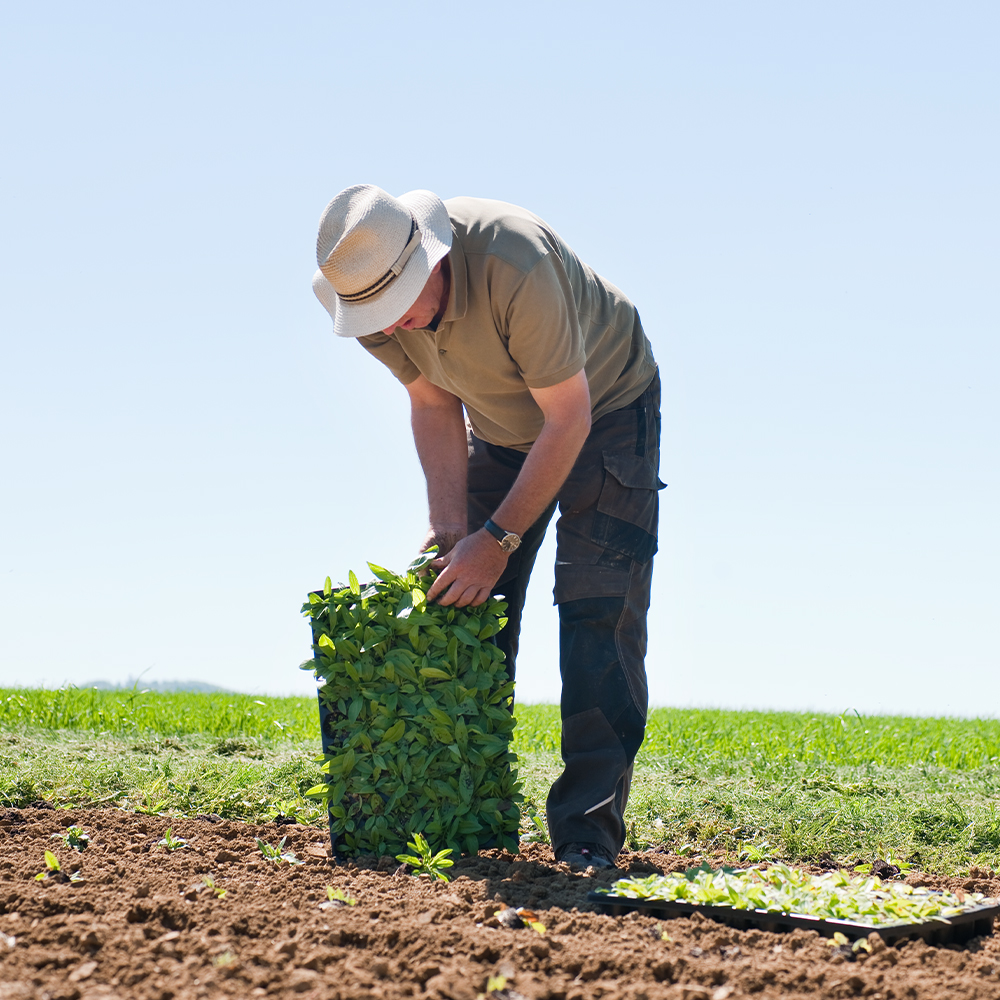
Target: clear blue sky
<point>802,200</point>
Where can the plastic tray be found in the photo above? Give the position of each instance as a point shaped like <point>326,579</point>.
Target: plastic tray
<point>974,922</point>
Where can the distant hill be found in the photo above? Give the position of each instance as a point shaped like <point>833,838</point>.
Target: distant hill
<point>162,687</point>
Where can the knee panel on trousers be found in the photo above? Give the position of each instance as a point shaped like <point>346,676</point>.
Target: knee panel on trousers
<point>593,676</point>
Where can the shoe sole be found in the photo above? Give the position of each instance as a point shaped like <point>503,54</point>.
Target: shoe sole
<point>578,863</point>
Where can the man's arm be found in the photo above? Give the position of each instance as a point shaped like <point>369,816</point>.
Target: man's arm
<point>439,434</point>
<point>468,572</point>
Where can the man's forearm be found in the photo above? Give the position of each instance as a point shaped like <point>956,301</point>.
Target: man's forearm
<point>473,566</point>
<point>442,446</point>
<point>549,462</point>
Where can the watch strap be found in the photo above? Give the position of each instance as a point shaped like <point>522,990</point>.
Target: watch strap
<point>495,530</point>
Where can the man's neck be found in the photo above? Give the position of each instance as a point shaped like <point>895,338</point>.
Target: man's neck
<point>445,291</point>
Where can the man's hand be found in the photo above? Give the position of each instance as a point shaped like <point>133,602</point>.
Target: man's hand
<point>467,573</point>
<point>469,566</point>
<point>445,538</point>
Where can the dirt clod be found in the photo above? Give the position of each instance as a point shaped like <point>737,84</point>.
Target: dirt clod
<point>885,869</point>
<point>82,972</point>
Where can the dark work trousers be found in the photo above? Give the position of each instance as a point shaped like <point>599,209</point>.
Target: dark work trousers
<point>605,542</point>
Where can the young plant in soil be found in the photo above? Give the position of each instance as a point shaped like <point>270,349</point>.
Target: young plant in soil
<point>209,884</point>
<point>275,854</point>
<point>424,861</point>
<point>496,989</point>
<point>417,721</point>
<point>339,896</point>
<point>537,832</point>
<point>51,866</point>
<point>170,842</point>
<point>54,871</point>
<point>74,837</point>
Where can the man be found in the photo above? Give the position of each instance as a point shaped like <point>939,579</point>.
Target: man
<point>482,312</point>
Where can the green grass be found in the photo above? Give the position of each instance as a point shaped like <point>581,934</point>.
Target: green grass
<point>744,785</point>
<point>813,738</point>
<point>135,711</point>
<point>234,778</point>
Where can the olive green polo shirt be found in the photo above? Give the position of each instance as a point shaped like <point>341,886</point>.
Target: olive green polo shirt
<point>524,312</point>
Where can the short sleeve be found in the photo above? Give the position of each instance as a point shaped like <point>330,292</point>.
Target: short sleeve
<point>543,326</point>
<point>390,352</point>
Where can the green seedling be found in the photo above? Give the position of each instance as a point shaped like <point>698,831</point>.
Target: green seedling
<point>170,842</point>
<point>494,985</point>
<point>755,853</point>
<point>843,942</point>
<point>302,812</point>
<point>424,861</point>
<point>150,801</point>
<point>74,837</point>
<point>54,871</point>
<point>537,832</point>
<point>210,884</point>
<point>339,896</point>
<point>51,866</point>
<point>275,854</point>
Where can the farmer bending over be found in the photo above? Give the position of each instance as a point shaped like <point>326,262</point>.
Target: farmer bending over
<point>531,385</point>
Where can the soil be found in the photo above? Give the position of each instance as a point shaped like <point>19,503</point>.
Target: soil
<point>144,924</point>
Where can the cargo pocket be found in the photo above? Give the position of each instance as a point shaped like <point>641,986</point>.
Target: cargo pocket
<point>628,508</point>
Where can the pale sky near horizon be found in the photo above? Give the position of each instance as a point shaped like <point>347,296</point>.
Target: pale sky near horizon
<point>801,199</point>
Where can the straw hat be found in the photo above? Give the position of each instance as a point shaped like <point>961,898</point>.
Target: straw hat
<point>375,254</point>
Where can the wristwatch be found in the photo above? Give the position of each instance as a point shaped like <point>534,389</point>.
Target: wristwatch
<point>507,540</point>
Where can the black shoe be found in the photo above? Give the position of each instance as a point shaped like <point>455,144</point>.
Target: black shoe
<point>582,856</point>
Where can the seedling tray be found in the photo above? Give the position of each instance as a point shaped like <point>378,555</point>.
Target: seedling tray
<point>974,922</point>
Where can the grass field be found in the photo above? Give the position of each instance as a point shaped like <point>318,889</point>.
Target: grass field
<point>754,785</point>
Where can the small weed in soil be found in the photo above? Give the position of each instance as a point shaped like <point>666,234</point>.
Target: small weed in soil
<point>170,842</point>
<point>424,861</point>
<point>74,837</point>
<point>275,854</point>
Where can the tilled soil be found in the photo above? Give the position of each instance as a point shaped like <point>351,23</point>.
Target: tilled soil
<point>144,924</point>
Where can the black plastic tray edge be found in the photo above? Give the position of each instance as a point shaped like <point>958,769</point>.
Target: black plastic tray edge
<point>972,923</point>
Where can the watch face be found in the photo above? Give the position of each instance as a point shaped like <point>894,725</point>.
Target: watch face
<point>509,542</point>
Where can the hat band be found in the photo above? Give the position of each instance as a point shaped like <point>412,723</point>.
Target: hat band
<point>394,270</point>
